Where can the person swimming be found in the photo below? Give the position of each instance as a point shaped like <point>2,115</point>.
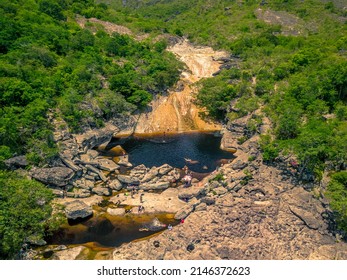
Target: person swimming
<point>188,160</point>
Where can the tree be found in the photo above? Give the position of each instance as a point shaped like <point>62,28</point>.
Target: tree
<point>5,153</point>
<point>337,194</point>
<point>288,123</point>
<point>140,97</point>
<point>52,8</point>
<point>25,210</point>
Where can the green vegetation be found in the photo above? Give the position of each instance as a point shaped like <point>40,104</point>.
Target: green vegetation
<point>337,192</point>
<point>247,178</point>
<point>25,212</point>
<point>219,177</point>
<point>50,65</point>
<point>291,62</point>
<point>292,65</point>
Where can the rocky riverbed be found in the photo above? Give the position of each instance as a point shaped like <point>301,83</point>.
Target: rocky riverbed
<point>244,210</point>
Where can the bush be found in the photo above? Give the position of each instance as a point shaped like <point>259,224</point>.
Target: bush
<point>24,212</point>
<point>269,148</point>
<point>5,153</point>
<point>337,194</point>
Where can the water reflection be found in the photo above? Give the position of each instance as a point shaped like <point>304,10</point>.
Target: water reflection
<point>110,231</point>
<point>200,152</point>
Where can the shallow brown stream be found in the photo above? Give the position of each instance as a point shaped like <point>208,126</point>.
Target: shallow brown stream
<point>107,231</point>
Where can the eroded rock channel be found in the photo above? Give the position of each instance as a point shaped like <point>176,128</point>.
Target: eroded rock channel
<point>240,208</point>
<point>176,112</point>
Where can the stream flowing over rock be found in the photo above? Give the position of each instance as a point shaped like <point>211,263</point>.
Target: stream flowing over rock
<point>176,111</point>
<point>245,209</point>
<point>255,211</point>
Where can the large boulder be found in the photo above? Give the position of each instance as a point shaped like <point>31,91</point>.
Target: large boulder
<point>56,176</point>
<point>229,142</point>
<point>116,211</point>
<point>128,179</point>
<point>115,185</point>
<point>96,137</point>
<point>106,164</point>
<point>155,186</point>
<point>16,162</point>
<point>164,169</point>
<point>77,209</point>
<point>152,173</point>
<point>184,212</point>
<point>102,191</point>
<point>239,165</point>
<point>188,193</point>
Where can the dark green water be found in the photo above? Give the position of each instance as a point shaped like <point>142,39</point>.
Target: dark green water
<point>106,231</point>
<point>173,149</point>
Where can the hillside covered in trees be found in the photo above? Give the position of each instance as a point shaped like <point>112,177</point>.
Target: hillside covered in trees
<point>290,61</point>
<point>50,66</point>
<point>49,62</point>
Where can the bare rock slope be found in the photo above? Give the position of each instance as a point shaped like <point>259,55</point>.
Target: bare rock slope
<point>177,112</point>
<point>255,212</point>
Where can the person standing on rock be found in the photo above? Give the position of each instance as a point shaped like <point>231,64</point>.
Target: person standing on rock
<point>64,192</point>
<point>141,209</point>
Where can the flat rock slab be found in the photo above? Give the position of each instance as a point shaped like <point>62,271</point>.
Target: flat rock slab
<point>166,202</point>
<point>184,212</point>
<point>102,191</point>
<point>220,191</point>
<point>96,137</point>
<point>239,165</point>
<point>83,184</point>
<point>164,169</point>
<point>155,186</point>
<point>106,164</point>
<point>307,217</point>
<point>69,254</point>
<point>124,163</point>
<point>229,142</point>
<point>116,211</point>
<point>115,185</point>
<point>128,179</point>
<point>152,173</point>
<point>77,209</point>
<point>187,193</point>
<point>16,162</point>
<point>57,176</point>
